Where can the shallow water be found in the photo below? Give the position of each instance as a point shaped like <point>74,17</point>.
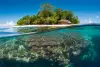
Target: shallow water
<point>83,52</point>
<point>5,31</point>
<point>12,31</point>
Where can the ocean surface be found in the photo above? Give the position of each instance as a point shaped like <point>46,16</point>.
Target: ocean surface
<point>6,31</point>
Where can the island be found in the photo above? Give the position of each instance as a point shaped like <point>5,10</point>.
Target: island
<point>49,15</point>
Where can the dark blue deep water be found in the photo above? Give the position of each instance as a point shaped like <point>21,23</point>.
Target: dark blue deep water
<point>89,57</point>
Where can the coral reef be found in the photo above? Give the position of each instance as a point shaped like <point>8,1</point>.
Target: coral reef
<point>32,47</point>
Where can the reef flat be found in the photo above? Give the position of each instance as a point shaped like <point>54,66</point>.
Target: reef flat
<point>32,47</point>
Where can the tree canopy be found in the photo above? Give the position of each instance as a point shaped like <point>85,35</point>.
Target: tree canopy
<point>49,15</point>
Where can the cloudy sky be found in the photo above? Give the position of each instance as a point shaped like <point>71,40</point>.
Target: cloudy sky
<point>88,11</point>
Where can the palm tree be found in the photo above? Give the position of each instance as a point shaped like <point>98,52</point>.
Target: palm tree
<point>24,21</point>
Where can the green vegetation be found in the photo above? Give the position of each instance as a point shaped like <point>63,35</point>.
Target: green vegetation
<point>48,15</point>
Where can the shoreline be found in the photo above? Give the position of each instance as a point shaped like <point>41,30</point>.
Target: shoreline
<point>64,25</point>
<point>56,25</point>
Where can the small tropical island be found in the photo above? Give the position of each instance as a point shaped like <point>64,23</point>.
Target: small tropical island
<point>49,15</point>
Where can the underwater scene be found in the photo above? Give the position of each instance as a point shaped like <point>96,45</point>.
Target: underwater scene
<point>73,46</point>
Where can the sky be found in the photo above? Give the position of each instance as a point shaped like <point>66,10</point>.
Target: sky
<point>11,11</point>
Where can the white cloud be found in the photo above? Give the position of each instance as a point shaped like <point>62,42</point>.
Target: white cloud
<point>88,21</point>
<point>11,23</point>
<point>97,17</point>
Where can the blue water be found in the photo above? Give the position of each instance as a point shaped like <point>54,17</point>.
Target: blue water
<point>89,57</point>
<point>4,31</point>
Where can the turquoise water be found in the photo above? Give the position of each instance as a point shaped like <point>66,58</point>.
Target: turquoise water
<point>12,31</point>
<point>82,44</point>
<point>5,31</point>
